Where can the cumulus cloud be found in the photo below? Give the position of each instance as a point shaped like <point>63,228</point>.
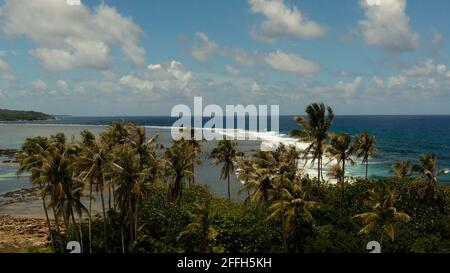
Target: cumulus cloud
<point>425,69</point>
<point>39,85</point>
<point>69,37</point>
<point>291,63</point>
<point>162,78</point>
<point>204,48</point>
<point>349,88</point>
<point>4,65</point>
<point>387,26</point>
<point>232,71</point>
<point>283,21</point>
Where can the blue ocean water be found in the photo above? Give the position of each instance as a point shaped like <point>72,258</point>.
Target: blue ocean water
<point>398,137</point>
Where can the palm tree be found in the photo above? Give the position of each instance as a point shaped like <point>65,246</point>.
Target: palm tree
<point>132,185</point>
<point>429,168</point>
<point>178,167</point>
<point>226,153</point>
<point>200,227</point>
<point>57,175</point>
<point>402,168</point>
<point>365,149</point>
<point>293,203</point>
<point>315,129</point>
<point>383,214</point>
<point>196,148</point>
<point>341,150</point>
<point>92,164</point>
<point>31,159</point>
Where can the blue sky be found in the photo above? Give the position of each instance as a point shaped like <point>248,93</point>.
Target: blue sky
<point>143,57</point>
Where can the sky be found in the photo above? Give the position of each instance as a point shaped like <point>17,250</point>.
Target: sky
<point>141,57</point>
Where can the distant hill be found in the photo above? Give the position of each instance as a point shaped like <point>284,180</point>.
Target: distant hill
<point>12,115</point>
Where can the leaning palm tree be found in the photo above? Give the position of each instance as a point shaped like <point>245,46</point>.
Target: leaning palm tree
<point>226,153</point>
<point>429,168</point>
<point>31,159</point>
<point>402,168</point>
<point>364,147</point>
<point>383,215</point>
<point>315,130</point>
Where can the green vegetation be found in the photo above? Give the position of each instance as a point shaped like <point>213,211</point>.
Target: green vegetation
<point>151,203</point>
<point>11,115</point>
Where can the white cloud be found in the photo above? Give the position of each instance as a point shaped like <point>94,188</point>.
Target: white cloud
<point>425,69</point>
<point>232,71</point>
<point>69,37</point>
<point>79,54</point>
<point>4,65</point>
<point>350,88</point>
<point>203,48</point>
<point>283,21</point>
<point>291,63</point>
<point>62,85</point>
<point>387,26</point>
<point>171,76</point>
<point>396,81</point>
<point>441,69</point>
<point>242,57</point>
<point>39,85</point>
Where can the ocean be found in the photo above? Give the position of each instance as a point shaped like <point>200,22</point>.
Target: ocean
<point>398,138</point>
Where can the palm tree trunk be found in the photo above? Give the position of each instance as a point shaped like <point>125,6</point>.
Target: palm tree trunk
<point>80,216</point>
<point>109,198</point>
<point>229,190</point>
<point>342,187</point>
<point>367,168</point>
<point>105,232</point>
<point>193,172</point>
<point>58,229</point>
<point>136,219</point>
<point>48,223</point>
<point>122,235</point>
<point>77,230</point>
<point>90,217</point>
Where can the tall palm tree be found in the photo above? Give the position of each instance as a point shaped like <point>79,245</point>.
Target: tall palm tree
<point>31,159</point>
<point>316,124</point>
<point>364,147</point>
<point>196,148</point>
<point>132,185</point>
<point>402,168</point>
<point>429,168</point>
<point>341,150</point>
<point>383,215</point>
<point>177,160</point>
<point>226,153</point>
<point>92,164</point>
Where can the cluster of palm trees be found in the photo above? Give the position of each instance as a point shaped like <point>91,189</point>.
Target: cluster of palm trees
<point>121,165</point>
<point>338,146</point>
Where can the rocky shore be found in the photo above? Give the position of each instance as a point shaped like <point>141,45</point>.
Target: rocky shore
<point>20,196</point>
<point>8,155</point>
<point>17,234</point>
